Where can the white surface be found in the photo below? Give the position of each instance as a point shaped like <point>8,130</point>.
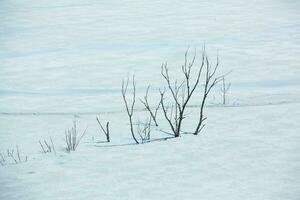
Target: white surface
<point>244,153</point>
<point>67,57</point>
<point>83,49</point>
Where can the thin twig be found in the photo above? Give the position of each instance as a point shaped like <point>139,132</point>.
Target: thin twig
<point>106,132</point>
<point>148,108</point>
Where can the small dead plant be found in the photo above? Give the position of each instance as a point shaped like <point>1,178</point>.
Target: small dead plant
<point>47,147</point>
<point>144,131</point>
<point>224,88</point>
<point>104,130</point>
<point>72,138</point>
<point>14,155</point>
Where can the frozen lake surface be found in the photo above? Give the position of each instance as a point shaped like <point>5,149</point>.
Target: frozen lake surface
<point>64,58</point>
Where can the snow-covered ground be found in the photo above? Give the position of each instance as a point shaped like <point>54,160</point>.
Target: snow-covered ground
<point>64,58</point>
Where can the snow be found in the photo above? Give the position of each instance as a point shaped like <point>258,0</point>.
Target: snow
<point>245,156</point>
<point>61,60</point>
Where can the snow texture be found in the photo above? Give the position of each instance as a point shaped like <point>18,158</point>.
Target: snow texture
<point>61,60</point>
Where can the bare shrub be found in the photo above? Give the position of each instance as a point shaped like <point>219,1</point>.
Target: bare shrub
<point>144,131</point>
<point>182,91</point>
<point>47,147</point>
<point>104,130</point>
<point>15,155</point>
<point>130,108</point>
<point>71,138</point>
<point>152,113</point>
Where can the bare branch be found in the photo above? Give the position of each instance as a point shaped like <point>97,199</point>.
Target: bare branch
<point>224,88</point>
<point>131,109</point>
<point>165,112</point>
<point>210,82</point>
<point>148,108</point>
